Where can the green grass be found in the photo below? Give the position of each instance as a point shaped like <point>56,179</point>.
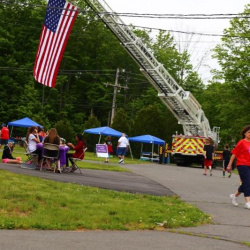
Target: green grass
<point>92,156</point>
<point>34,203</point>
<point>19,151</point>
<point>101,166</point>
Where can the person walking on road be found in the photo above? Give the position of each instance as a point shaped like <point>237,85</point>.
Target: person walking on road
<point>226,159</point>
<point>122,148</point>
<point>208,157</point>
<point>242,154</point>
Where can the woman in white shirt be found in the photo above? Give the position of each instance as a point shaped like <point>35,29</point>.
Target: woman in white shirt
<point>32,139</point>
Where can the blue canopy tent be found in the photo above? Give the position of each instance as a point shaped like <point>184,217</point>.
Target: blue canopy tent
<point>25,122</point>
<point>147,139</point>
<point>103,131</point>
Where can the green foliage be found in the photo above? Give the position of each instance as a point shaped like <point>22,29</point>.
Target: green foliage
<point>92,122</point>
<point>121,121</point>
<point>230,97</point>
<point>92,140</point>
<point>65,130</point>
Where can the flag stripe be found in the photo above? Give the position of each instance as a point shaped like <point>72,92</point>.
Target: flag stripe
<point>61,45</point>
<point>52,46</point>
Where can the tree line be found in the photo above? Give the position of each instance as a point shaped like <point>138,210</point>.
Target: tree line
<point>82,100</point>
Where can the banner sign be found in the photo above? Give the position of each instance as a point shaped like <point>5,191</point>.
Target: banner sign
<point>102,150</point>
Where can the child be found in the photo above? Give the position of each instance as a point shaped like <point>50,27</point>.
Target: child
<point>110,149</point>
<point>226,159</point>
<point>208,157</point>
<point>7,154</point>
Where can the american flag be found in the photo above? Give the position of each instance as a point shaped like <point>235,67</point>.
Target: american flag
<point>59,20</point>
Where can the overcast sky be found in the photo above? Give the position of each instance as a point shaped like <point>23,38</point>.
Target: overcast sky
<point>200,44</point>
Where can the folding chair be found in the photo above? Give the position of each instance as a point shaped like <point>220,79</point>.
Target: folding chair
<point>32,158</point>
<point>75,160</point>
<point>51,153</point>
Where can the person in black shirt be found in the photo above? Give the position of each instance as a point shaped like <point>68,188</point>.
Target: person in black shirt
<point>7,154</point>
<point>226,159</point>
<point>208,157</point>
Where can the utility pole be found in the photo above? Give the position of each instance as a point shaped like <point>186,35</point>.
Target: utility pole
<point>116,86</point>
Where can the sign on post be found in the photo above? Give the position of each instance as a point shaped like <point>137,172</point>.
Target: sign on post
<point>102,150</point>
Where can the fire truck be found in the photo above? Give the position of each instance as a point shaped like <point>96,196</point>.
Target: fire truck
<point>186,148</point>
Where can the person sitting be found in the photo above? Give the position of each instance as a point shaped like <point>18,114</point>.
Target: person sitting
<point>32,139</point>
<point>41,134</point>
<point>52,138</point>
<point>7,154</point>
<point>79,151</point>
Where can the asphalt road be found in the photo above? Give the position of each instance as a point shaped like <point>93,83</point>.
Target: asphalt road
<point>230,228</point>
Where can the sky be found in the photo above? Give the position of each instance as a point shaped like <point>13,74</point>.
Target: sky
<point>200,46</point>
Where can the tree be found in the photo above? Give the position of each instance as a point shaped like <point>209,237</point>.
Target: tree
<point>65,130</point>
<point>233,56</point>
<point>92,122</point>
<point>121,121</point>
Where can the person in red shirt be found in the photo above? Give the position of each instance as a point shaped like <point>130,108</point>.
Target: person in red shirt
<point>79,151</point>
<point>242,154</point>
<point>4,135</point>
<point>208,157</point>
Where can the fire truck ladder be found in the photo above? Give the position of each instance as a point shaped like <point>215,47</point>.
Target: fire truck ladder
<point>181,103</point>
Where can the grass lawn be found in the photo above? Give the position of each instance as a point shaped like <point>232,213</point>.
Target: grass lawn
<point>34,203</point>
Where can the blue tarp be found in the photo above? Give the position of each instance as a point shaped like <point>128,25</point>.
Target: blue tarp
<point>25,122</point>
<point>103,131</point>
<point>147,139</point>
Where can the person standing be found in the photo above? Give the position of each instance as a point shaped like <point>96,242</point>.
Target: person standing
<point>122,147</point>
<point>110,148</point>
<point>242,154</point>
<point>208,157</point>
<point>4,135</point>
<point>226,159</point>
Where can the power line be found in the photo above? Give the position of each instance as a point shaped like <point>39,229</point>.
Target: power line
<point>149,15</point>
<point>177,16</point>
<point>98,72</point>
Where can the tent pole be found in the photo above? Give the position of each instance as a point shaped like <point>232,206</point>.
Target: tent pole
<point>99,139</point>
<point>130,151</point>
<point>152,151</point>
<point>11,131</point>
<point>141,150</point>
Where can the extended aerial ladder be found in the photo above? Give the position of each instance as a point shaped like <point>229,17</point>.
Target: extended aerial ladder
<point>181,103</point>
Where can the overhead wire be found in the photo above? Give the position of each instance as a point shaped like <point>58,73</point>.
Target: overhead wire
<point>179,16</point>
<point>176,16</point>
<point>149,15</point>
